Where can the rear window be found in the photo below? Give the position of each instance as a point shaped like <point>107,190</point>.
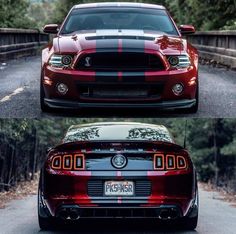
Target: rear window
<point>119,18</point>
<point>118,132</point>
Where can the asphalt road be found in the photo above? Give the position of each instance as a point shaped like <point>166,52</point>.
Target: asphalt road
<point>19,94</point>
<point>216,216</point>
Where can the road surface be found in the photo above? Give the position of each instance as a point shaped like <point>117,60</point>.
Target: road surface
<point>216,216</point>
<point>19,94</point>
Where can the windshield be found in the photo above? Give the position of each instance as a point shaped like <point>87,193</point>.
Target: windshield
<point>119,18</point>
<point>120,132</point>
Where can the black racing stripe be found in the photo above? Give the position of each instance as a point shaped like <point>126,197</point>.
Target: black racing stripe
<point>133,77</point>
<point>133,45</point>
<point>102,45</point>
<point>106,77</point>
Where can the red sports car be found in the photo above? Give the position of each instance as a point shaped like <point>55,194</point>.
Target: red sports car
<point>119,55</point>
<point>118,170</point>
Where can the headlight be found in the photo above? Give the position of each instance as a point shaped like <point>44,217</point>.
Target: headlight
<point>61,61</point>
<point>179,61</point>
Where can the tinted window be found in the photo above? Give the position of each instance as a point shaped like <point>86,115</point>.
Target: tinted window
<point>118,132</point>
<point>119,18</point>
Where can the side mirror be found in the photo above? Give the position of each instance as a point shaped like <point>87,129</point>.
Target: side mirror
<point>51,28</point>
<point>187,29</point>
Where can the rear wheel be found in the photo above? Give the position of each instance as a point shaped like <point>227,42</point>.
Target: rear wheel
<point>189,223</point>
<point>45,220</point>
<point>46,223</point>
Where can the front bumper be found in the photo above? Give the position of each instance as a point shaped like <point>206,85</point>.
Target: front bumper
<point>134,90</point>
<point>164,105</point>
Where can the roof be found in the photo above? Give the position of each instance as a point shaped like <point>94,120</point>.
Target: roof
<point>120,4</point>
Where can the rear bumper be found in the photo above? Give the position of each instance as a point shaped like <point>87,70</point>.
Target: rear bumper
<point>163,212</point>
<point>164,105</point>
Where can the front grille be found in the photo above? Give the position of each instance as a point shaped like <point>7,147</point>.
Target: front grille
<point>119,213</point>
<point>126,91</point>
<point>120,61</point>
<point>142,188</point>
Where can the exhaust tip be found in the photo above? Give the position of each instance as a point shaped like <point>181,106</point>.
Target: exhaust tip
<point>170,213</point>
<point>63,214</point>
<point>74,214</point>
<point>69,214</point>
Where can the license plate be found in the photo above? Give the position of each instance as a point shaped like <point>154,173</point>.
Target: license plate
<point>119,188</point>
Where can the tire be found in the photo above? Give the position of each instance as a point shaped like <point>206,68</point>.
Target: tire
<point>189,223</point>
<point>46,223</point>
<point>194,109</point>
<point>44,107</point>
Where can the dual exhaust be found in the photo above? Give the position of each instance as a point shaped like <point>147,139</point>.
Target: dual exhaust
<point>168,214</point>
<point>69,213</point>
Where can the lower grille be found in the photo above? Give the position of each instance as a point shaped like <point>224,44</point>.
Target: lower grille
<point>142,188</point>
<point>120,91</point>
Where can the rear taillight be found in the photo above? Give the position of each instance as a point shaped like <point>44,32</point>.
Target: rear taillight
<point>71,162</point>
<point>169,162</point>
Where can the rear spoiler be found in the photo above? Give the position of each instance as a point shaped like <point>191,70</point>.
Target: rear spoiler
<point>108,144</point>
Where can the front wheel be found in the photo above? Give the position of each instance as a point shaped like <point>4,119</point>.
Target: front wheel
<point>194,109</point>
<point>44,107</point>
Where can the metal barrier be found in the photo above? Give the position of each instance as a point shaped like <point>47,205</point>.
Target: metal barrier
<point>16,43</point>
<point>219,46</point>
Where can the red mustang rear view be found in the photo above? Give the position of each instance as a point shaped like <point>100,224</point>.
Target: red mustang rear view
<point>118,170</point>
<point>119,55</point>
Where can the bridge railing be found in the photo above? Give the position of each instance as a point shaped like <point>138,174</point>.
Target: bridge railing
<point>219,46</point>
<point>20,42</point>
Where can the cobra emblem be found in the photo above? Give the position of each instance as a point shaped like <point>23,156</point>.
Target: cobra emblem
<point>87,62</point>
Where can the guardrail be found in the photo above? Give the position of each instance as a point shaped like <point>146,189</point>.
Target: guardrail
<point>16,43</point>
<point>219,46</point>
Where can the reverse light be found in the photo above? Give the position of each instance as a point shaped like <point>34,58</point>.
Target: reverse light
<point>179,61</point>
<point>169,162</point>
<point>68,162</point>
<point>60,61</point>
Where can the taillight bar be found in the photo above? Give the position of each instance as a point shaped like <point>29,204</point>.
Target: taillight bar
<point>169,162</point>
<point>70,162</point>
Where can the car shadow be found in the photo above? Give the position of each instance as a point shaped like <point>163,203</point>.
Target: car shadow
<point>119,226</point>
<point>115,112</point>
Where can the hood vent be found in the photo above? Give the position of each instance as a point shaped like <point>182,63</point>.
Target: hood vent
<point>120,37</point>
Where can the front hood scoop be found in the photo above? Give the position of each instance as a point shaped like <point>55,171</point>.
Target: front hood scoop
<point>131,37</point>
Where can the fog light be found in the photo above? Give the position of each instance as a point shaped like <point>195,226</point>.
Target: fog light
<point>178,89</point>
<point>62,88</point>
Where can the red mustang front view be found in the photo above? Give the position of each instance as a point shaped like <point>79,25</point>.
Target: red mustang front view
<point>118,170</point>
<point>119,55</point>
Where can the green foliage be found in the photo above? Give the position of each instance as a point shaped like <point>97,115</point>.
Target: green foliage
<point>205,15</point>
<point>13,14</point>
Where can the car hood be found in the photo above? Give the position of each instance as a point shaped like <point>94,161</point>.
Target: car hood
<point>120,40</point>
